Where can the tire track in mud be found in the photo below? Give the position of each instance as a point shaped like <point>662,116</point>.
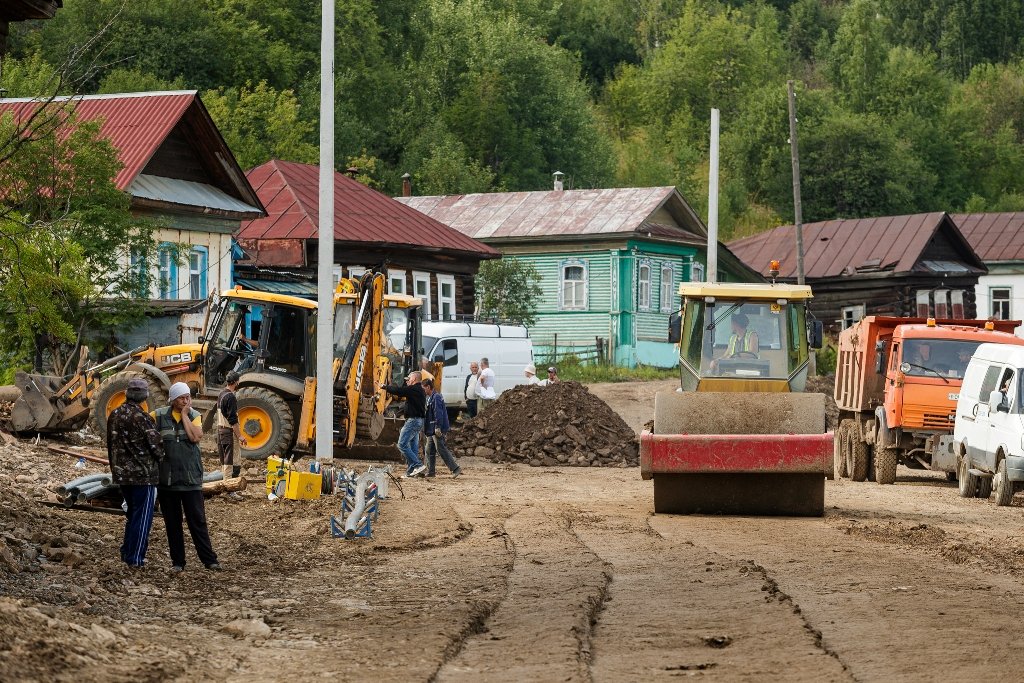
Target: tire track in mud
<point>680,609</point>
<point>542,628</point>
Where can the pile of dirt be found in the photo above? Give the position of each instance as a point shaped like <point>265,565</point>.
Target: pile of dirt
<point>561,424</point>
<point>825,384</point>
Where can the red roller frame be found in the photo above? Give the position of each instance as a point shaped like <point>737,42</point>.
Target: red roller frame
<point>734,453</point>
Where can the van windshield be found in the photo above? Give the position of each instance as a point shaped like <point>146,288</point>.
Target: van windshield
<point>938,357</point>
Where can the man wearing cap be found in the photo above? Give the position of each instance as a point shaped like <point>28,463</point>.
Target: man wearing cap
<point>552,377</point>
<point>531,374</point>
<point>229,432</point>
<point>181,478</point>
<point>135,452</point>
<point>415,413</point>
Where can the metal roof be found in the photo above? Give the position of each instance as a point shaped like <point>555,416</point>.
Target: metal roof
<point>563,213</point>
<point>844,247</point>
<point>188,193</point>
<point>137,124</point>
<point>303,289</point>
<point>290,191</point>
<point>994,236</point>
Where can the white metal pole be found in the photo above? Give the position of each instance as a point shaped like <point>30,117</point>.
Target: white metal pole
<point>325,254</point>
<point>713,202</point>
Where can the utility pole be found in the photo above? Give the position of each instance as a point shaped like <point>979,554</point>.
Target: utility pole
<point>712,275</point>
<point>325,244</point>
<point>798,217</point>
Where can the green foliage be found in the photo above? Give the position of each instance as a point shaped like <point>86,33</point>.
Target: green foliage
<point>826,359</point>
<point>508,289</point>
<point>603,372</point>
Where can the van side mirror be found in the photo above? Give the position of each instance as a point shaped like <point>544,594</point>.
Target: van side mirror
<point>675,328</point>
<point>815,334</point>
<point>880,357</point>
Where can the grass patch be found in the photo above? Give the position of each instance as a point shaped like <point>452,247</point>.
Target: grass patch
<point>588,374</point>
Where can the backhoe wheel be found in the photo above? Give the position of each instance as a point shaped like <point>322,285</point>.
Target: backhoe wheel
<point>856,454</point>
<point>968,483</point>
<point>984,487</point>
<point>110,395</point>
<point>266,422</point>
<point>885,465</point>
<point>839,453</point>
<point>1002,486</point>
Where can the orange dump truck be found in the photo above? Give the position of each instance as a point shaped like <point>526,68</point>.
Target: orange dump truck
<point>897,383</point>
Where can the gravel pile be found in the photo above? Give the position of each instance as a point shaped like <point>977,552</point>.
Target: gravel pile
<point>562,424</point>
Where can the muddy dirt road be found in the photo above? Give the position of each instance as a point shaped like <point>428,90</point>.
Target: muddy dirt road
<point>513,573</point>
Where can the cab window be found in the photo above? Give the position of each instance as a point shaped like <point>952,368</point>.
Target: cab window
<point>989,383</point>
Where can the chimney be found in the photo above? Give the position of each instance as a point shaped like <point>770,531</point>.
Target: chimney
<point>406,185</point>
<point>352,172</point>
<point>558,180</point>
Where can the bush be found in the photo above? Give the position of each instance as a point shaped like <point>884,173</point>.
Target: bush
<point>589,374</point>
<point>827,356</point>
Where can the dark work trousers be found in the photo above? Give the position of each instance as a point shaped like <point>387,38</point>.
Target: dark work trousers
<point>172,504</point>
<point>471,407</point>
<point>226,448</point>
<point>140,499</point>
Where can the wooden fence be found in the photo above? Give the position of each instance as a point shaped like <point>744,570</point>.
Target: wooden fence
<point>549,351</point>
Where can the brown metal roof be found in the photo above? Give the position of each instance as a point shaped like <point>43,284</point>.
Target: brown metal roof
<point>994,236</point>
<point>849,246</point>
<point>508,215</point>
<point>290,191</point>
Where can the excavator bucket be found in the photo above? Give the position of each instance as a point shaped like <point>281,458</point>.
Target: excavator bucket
<point>737,453</point>
<point>35,409</point>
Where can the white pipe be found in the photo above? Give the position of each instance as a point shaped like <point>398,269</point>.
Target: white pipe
<point>712,275</point>
<point>325,253</point>
<point>354,517</point>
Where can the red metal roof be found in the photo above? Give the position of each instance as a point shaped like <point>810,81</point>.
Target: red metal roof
<point>563,213</point>
<point>847,246</point>
<point>136,124</point>
<point>994,236</point>
<point>290,192</point>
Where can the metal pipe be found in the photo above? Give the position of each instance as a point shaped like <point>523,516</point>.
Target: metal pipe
<point>352,522</point>
<point>77,483</point>
<point>216,475</point>
<point>95,493</point>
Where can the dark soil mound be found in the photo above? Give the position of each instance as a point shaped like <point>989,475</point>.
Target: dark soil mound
<point>561,424</point>
<point>825,385</point>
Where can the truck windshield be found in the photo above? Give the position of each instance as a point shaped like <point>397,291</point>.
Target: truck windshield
<point>937,357</point>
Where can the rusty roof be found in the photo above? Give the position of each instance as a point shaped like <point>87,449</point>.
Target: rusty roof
<point>137,124</point>
<point>845,247</point>
<point>497,216</point>
<point>290,192</point>
<point>994,236</point>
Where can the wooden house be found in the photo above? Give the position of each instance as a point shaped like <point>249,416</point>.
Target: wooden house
<point>610,261</point>
<point>424,258</point>
<point>998,239</point>
<point>917,265</point>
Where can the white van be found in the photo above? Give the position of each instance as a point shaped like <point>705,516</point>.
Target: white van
<point>989,425</point>
<point>508,348</point>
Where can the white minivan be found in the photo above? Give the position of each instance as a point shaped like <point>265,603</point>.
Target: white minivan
<point>508,348</point>
<point>989,429</point>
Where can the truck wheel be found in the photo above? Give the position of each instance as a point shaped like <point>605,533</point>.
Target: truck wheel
<point>857,455</point>
<point>984,487</point>
<point>1003,487</point>
<point>885,465</point>
<point>110,395</point>
<point>266,422</point>
<point>839,453</point>
<point>968,483</point>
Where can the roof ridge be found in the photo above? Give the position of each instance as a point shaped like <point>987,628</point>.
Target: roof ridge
<point>105,96</point>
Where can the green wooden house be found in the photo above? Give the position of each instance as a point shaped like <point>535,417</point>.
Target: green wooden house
<point>610,261</point>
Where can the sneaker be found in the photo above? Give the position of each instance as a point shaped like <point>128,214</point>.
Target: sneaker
<point>177,569</point>
<point>456,474</point>
<point>235,496</point>
<point>215,567</point>
<point>417,471</point>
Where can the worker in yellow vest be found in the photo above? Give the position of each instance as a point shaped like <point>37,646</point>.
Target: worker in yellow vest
<point>743,342</point>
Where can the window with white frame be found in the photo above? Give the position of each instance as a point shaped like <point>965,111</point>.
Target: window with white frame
<point>852,315</point>
<point>167,272</point>
<point>697,272</point>
<point>356,272</point>
<point>643,286</point>
<point>138,269</point>
<point>335,274</point>
<point>1000,307</point>
<point>421,290</point>
<point>573,292</point>
<point>198,265</point>
<point>446,297</point>
<point>668,293</point>
<point>396,282</point>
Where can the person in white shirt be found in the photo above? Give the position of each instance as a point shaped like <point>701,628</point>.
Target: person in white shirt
<point>531,374</point>
<point>485,386</point>
<point>470,389</point>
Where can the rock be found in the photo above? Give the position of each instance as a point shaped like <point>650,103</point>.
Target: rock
<point>483,452</point>
<point>247,628</point>
<point>535,463</point>
<point>25,479</point>
<point>559,440</point>
<point>575,435</point>
<point>105,636</point>
<point>550,462</point>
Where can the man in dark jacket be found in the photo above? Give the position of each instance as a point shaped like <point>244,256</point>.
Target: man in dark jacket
<point>415,412</point>
<point>435,427</point>
<point>135,453</point>
<point>469,390</point>
<point>181,478</point>
<point>229,432</point>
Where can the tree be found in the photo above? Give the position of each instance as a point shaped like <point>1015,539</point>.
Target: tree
<point>508,289</point>
<point>66,234</point>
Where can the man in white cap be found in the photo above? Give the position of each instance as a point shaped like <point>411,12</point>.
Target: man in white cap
<point>531,374</point>
<point>181,478</point>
